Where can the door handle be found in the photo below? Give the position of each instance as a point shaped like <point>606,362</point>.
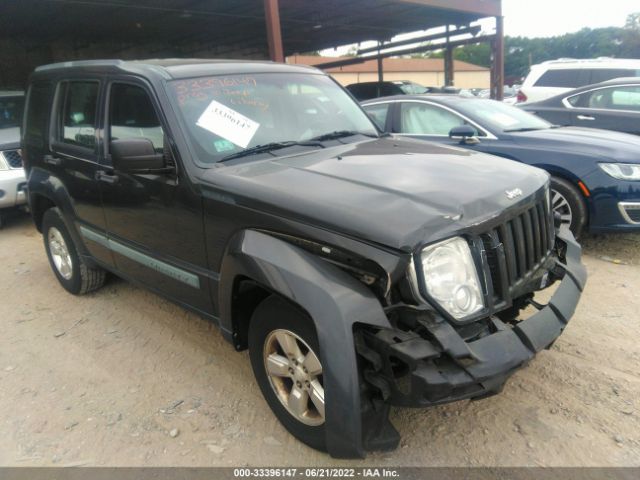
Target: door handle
<point>585,117</point>
<point>51,160</point>
<point>103,176</point>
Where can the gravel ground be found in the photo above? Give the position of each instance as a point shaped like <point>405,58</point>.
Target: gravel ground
<point>121,377</point>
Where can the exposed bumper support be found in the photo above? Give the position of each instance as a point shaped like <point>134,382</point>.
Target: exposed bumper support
<point>431,363</point>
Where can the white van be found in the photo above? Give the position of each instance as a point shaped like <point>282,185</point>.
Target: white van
<point>559,76</point>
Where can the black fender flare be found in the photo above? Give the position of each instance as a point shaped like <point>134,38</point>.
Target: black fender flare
<point>334,300</point>
<point>42,183</point>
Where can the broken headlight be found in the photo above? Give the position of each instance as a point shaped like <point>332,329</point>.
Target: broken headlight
<point>451,279</point>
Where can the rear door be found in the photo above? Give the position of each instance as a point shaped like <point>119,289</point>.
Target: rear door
<point>154,220</point>
<point>612,108</point>
<point>73,155</point>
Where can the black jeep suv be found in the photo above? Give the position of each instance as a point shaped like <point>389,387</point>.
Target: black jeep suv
<point>360,270</point>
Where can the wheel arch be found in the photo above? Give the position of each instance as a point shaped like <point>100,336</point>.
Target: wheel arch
<point>256,265</point>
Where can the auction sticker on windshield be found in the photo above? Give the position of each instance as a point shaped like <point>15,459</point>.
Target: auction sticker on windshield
<point>227,123</point>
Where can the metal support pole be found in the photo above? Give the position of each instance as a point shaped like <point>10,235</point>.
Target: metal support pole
<point>274,33</point>
<point>380,66</point>
<point>498,59</point>
<point>448,62</point>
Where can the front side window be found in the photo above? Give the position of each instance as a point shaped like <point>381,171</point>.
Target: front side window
<point>224,115</point>
<point>613,98</point>
<point>603,74</point>
<point>131,115</point>
<point>78,113</point>
<point>425,119</point>
<point>378,114</point>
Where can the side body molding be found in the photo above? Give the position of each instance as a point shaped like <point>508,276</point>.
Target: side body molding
<point>333,299</point>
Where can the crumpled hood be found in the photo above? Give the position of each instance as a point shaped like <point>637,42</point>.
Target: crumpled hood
<point>610,145</point>
<point>400,193</point>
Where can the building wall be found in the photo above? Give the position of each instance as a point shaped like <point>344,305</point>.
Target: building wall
<point>428,79</point>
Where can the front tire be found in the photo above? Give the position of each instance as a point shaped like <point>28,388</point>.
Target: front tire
<point>284,352</point>
<point>567,201</point>
<point>70,269</point>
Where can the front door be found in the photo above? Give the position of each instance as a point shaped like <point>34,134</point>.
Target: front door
<point>154,220</point>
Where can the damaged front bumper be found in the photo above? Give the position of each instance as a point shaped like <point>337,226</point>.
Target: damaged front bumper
<point>431,363</point>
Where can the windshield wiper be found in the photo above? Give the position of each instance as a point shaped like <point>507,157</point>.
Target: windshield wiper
<point>268,147</point>
<point>524,129</point>
<point>341,134</point>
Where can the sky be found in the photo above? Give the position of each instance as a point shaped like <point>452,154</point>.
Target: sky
<point>546,18</point>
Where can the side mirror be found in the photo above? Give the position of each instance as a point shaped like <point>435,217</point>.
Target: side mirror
<point>465,133</point>
<point>136,155</point>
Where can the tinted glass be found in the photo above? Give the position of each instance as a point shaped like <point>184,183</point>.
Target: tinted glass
<point>131,115</point>
<point>378,114</point>
<point>426,119</point>
<point>228,114</point>
<point>566,78</point>
<point>11,111</point>
<point>364,91</point>
<point>388,89</point>
<point>37,118</point>
<point>613,98</point>
<point>603,74</point>
<point>78,114</point>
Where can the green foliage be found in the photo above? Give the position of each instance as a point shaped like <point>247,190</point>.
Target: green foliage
<point>522,52</point>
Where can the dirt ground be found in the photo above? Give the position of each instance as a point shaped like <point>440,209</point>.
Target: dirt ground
<point>123,378</point>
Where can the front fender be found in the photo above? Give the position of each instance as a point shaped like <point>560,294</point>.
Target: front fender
<point>334,300</point>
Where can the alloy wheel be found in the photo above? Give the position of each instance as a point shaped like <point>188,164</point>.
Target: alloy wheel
<point>60,253</point>
<point>295,374</point>
<point>561,206</point>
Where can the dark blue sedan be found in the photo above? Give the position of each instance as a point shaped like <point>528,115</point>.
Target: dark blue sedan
<point>595,174</point>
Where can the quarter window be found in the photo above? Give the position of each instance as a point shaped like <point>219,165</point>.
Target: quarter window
<point>38,110</point>
<point>131,115</point>
<point>78,114</point>
<point>425,119</point>
<point>378,114</point>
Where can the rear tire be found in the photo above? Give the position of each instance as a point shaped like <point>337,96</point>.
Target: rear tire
<point>567,201</point>
<point>276,322</point>
<point>70,269</point>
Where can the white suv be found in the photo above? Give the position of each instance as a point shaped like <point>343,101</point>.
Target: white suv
<point>12,180</point>
<point>559,76</point>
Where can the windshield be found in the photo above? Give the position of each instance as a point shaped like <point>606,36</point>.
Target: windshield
<point>11,111</point>
<point>410,88</point>
<point>225,115</point>
<point>502,117</point>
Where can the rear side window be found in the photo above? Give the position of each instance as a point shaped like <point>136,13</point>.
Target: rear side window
<point>78,107</point>
<point>560,78</point>
<point>612,98</point>
<point>36,119</point>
